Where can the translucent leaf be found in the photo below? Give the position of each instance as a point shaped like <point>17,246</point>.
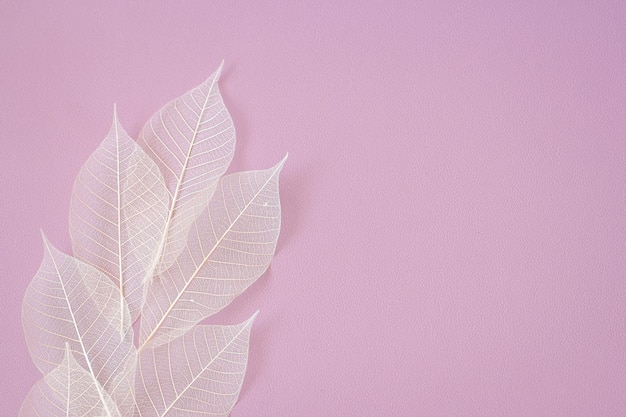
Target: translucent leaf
<point>118,209</point>
<point>68,391</point>
<point>199,373</point>
<point>70,302</point>
<point>192,140</point>
<point>159,235</point>
<point>229,247</point>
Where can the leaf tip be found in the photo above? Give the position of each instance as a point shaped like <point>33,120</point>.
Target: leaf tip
<point>279,166</point>
<point>218,72</point>
<point>45,240</point>
<point>214,78</point>
<point>117,130</point>
<point>252,318</point>
<point>48,248</point>
<point>67,351</point>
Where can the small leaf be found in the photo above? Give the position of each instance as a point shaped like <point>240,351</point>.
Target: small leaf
<point>118,208</point>
<point>192,140</point>
<point>229,247</point>
<point>70,302</point>
<point>199,373</point>
<point>68,391</point>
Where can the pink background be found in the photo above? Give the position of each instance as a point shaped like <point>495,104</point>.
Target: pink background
<point>454,231</point>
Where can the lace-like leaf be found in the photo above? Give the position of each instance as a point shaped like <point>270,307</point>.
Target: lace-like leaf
<point>118,210</point>
<point>158,234</point>
<point>229,247</point>
<point>70,302</point>
<point>199,373</point>
<point>192,140</point>
<point>68,391</point>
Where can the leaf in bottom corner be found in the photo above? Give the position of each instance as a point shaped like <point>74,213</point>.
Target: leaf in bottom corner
<point>70,303</point>
<point>68,391</point>
<point>200,373</point>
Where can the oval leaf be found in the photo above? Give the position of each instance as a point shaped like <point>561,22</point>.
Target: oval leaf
<point>199,373</point>
<point>229,247</point>
<point>118,208</point>
<point>70,302</point>
<point>192,140</point>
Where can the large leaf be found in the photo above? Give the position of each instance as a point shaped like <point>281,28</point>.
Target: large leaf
<point>199,373</point>
<point>192,140</point>
<point>68,391</point>
<point>229,247</point>
<point>118,210</point>
<point>70,302</point>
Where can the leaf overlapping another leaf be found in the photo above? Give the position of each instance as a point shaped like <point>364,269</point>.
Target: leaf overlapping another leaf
<point>68,390</point>
<point>158,234</point>
<point>70,303</point>
<point>192,140</point>
<point>201,372</point>
<point>229,247</point>
<point>118,211</point>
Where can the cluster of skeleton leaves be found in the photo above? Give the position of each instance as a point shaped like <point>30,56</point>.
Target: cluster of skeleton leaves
<point>161,239</point>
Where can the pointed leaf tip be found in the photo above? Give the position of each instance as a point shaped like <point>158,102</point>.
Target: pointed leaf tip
<point>279,166</point>
<point>116,126</point>
<point>116,120</point>
<point>47,246</point>
<point>253,317</point>
<point>214,78</point>
<point>218,72</point>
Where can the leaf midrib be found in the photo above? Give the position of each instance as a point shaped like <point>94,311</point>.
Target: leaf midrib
<point>178,397</point>
<point>78,333</point>
<point>205,260</point>
<point>179,181</point>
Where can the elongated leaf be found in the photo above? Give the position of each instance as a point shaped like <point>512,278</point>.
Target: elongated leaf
<point>68,391</point>
<point>70,302</point>
<point>229,247</point>
<point>192,140</point>
<point>199,373</point>
<point>118,209</point>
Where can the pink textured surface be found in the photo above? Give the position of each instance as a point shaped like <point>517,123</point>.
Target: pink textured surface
<point>454,235</point>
